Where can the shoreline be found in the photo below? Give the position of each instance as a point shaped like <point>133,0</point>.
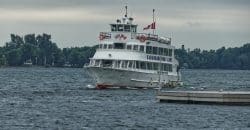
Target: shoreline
<point>36,66</point>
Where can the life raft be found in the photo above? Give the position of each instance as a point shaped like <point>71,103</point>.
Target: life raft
<point>142,38</point>
<point>101,37</point>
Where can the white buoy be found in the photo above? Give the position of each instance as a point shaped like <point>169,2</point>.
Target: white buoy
<point>90,86</point>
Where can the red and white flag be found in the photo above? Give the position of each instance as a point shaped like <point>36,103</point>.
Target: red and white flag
<point>150,26</point>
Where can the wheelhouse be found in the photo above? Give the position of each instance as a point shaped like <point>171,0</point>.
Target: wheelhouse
<point>123,28</point>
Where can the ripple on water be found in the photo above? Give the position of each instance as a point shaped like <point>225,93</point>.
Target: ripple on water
<point>59,98</point>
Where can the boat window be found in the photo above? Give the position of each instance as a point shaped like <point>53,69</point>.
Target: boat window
<point>161,67</point>
<point>143,65</point>
<point>127,28</point>
<point>133,64</point>
<point>97,62</point>
<point>133,28</point>
<point>120,28</point>
<point>165,52</point>
<point>137,64</point>
<point>149,49</point>
<point>142,48</point>
<point>100,46</point>
<point>160,51</point>
<point>124,64</point>
<point>170,52</point>
<point>155,50</point>
<point>136,47</point>
<point>165,67</point>
<point>105,46</point>
<point>117,64</point>
<point>163,59</point>
<point>155,66</point>
<point>170,69</point>
<point>113,27</point>
<point>149,66</point>
<point>90,62</point>
<point>129,47</point>
<point>110,46</point>
<point>107,63</point>
<point>130,64</point>
<point>119,45</point>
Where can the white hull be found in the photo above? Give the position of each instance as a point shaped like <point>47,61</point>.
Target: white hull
<point>127,78</point>
<point>125,58</point>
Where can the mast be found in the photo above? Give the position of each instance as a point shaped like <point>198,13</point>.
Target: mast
<point>154,21</point>
<point>126,13</point>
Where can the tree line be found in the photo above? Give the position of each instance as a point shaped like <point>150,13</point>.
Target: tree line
<point>222,58</point>
<point>41,51</point>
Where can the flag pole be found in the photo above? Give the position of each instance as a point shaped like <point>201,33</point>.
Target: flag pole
<point>154,20</point>
<point>126,8</point>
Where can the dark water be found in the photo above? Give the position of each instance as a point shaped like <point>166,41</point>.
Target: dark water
<point>57,98</point>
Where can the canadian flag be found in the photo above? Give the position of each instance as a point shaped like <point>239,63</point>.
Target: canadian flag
<point>150,26</point>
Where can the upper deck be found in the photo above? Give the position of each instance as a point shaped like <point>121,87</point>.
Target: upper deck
<point>123,31</point>
<point>122,46</point>
<point>122,36</point>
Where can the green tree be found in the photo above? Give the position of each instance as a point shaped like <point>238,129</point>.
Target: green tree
<point>222,58</point>
<point>2,57</point>
<point>14,57</point>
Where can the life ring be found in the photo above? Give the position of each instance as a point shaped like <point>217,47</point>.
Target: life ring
<point>142,38</point>
<point>101,37</point>
<point>117,36</point>
<point>120,37</point>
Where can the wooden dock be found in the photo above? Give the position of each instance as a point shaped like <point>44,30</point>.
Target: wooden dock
<point>205,97</point>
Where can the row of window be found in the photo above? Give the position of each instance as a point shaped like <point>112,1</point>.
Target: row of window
<point>123,28</point>
<point>158,51</point>
<point>133,65</point>
<point>153,66</point>
<point>149,49</point>
<point>122,46</point>
<point>158,58</point>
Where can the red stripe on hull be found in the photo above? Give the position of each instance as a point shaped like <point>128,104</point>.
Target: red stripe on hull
<point>103,86</point>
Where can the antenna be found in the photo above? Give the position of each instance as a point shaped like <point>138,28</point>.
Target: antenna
<point>154,21</point>
<point>153,15</point>
<point>126,8</point>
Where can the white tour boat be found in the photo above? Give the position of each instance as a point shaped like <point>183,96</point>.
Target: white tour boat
<point>125,58</point>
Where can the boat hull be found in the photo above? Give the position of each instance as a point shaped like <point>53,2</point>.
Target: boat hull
<point>109,77</point>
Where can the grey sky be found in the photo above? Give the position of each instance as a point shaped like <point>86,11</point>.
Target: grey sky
<point>206,24</point>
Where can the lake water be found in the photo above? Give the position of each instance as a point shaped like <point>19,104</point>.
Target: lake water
<point>58,98</point>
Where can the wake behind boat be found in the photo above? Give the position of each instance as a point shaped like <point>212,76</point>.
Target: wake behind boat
<point>126,58</point>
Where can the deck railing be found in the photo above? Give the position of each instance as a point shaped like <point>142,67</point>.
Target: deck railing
<point>139,36</point>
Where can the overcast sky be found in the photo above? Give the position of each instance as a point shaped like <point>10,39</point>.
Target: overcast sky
<point>206,24</point>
